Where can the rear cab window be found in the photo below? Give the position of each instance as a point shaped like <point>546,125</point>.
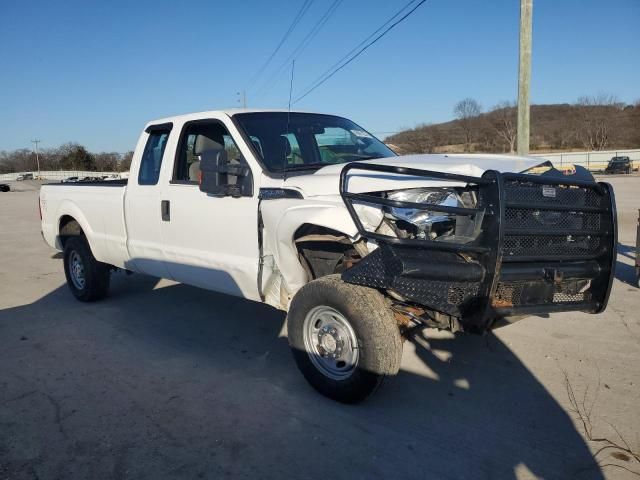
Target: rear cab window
<point>151,160</point>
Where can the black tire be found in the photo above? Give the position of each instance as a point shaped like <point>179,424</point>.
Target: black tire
<point>96,274</point>
<point>378,337</point>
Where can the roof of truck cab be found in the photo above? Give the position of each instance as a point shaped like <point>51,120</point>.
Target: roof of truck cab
<point>227,111</point>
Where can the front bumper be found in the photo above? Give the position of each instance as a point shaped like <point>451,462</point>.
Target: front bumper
<point>545,245</point>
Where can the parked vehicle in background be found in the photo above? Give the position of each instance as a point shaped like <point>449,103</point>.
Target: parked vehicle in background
<point>4,187</point>
<point>619,165</point>
<point>25,176</point>
<point>70,180</point>
<point>313,215</point>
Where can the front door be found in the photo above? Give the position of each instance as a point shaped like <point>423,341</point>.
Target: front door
<point>210,242</point>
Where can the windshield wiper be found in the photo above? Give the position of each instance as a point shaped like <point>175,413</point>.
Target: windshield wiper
<point>306,166</point>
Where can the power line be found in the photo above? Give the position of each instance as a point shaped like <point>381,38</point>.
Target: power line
<point>294,23</point>
<point>371,35</point>
<point>323,78</point>
<point>301,46</point>
<point>340,64</point>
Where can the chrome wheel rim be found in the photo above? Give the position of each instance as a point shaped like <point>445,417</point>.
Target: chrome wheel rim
<point>331,342</point>
<point>76,270</point>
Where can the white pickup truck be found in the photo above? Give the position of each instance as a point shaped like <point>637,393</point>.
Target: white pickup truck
<point>313,215</point>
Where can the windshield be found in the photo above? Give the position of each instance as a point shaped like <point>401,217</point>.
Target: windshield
<point>308,140</point>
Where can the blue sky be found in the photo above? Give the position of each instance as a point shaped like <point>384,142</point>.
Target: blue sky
<point>95,72</point>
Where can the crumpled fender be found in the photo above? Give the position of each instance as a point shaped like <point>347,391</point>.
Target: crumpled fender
<point>282,218</point>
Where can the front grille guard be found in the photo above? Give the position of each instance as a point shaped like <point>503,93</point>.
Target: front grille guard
<point>421,270</point>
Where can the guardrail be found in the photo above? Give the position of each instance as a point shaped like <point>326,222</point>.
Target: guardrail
<point>594,160</point>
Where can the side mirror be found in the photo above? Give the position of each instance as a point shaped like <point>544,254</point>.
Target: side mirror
<point>215,173</point>
<point>211,178</point>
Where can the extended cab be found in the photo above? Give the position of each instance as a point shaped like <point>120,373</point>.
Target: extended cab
<point>315,216</point>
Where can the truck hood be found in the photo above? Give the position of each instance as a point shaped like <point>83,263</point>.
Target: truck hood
<point>325,181</point>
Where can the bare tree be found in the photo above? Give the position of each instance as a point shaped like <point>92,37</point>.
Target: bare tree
<point>21,160</point>
<point>423,138</point>
<point>466,111</point>
<point>125,162</point>
<point>505,123</point>
<point>106,161</point>
<point>596,115</point>
<point>74,156</point>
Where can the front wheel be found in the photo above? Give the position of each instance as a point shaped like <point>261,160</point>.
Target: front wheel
<point>344,338</point>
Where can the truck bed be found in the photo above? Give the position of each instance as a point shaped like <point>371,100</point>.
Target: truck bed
<point>99,209</point>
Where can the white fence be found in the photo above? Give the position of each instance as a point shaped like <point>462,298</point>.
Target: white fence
<point>62,174</point>
<point>595,161</point>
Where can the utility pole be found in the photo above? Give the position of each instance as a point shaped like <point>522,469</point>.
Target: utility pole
<point>37,141</point>
<point>242,98</point>
<point>524,76</point>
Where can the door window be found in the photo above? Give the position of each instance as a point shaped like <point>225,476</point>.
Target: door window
<point>196,138</point>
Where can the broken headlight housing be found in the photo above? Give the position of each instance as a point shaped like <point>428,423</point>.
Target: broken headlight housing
<point>431,224</point>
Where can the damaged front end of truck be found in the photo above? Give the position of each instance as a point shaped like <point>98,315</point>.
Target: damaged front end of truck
<point>476,251</point>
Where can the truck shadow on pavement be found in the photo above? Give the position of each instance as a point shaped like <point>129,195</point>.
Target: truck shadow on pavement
<point>178,382</point>
<point>626,271</point>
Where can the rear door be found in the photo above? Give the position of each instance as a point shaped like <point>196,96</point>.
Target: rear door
<point>143,207</point>
<point>211,241</point>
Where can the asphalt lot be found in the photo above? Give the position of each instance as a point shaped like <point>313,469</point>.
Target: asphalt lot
<point>163,380</point>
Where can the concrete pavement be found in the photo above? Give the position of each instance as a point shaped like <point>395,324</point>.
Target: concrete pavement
<point>162,380</point>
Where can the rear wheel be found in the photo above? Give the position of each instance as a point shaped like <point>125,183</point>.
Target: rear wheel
<point>87,278</point>
<point>344,338</point>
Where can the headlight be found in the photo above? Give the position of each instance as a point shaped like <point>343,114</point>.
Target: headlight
<point>422,218</point>
<point>429,224</point>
